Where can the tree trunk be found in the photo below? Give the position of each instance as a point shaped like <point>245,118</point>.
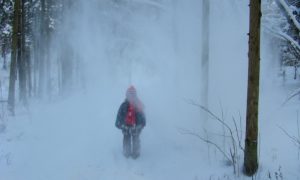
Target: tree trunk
<point>47,49</point>
<point>67,69</point>
<point>28,72</point>
<point>67,59</point>
<point>22,57</point>
<point>250,156</point>
<point>4,48</point>
<point>13,65</point>
<point>205,51</point>
<point>41,68</point>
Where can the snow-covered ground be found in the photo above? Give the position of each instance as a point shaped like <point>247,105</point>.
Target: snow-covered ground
<point>75,138</point>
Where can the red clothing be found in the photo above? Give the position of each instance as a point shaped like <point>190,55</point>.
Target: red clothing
<point>130,117</point>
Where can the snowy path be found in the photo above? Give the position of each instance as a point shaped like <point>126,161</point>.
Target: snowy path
<point>74,139</point>
<point>69,140</point>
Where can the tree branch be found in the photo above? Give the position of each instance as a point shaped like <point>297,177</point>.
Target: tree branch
<point>186,132</point>
<point>209,112</point>
<point>294,139</point>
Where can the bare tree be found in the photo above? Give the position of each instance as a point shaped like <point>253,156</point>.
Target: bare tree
<point>250,156</point>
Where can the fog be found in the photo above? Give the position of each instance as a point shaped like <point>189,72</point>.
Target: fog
<point>155,46</point>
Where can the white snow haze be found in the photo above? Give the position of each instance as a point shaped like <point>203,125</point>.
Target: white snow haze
<point>154,45</point>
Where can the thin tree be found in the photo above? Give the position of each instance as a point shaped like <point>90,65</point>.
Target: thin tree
<point>250,156</point>
<point>4,48</point>
<point>67,57</point>
<point>13,66</point>
<point>22,55</point>
<point>47,48</point>
<point>27,51</point>
<point>36,52</point>
<point>205,51</point>
<point>43,51</point>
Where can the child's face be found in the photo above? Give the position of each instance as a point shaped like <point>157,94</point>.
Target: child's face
<point>131,97</point>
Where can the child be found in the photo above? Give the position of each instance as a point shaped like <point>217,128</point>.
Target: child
<point>131,120</point>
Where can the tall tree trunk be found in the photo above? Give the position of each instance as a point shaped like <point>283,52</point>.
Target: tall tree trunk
<point>47,49</point>
<point>205,51</point>
<point>35,67</point>
<point>67,69</point>
<point>41,68</point>
<point>48,69</point>
<point>22,57</point>
<point>250,156</point>
<point>67,58</point>
<point>36,48</point>
<point>13,65</point>
<point>4,47</point>
<point>28,72</point>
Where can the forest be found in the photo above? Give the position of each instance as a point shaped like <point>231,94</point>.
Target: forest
<point>213,87</point>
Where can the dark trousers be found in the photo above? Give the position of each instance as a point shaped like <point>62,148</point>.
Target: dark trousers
<point>131,144</point>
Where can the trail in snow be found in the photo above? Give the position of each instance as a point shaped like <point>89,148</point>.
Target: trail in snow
<point>76,139</point>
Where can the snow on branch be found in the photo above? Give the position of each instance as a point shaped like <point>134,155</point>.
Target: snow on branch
<point>295,45</point>
<point>291,40</point>
<point>289,11</point>
<point>284,36</point>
